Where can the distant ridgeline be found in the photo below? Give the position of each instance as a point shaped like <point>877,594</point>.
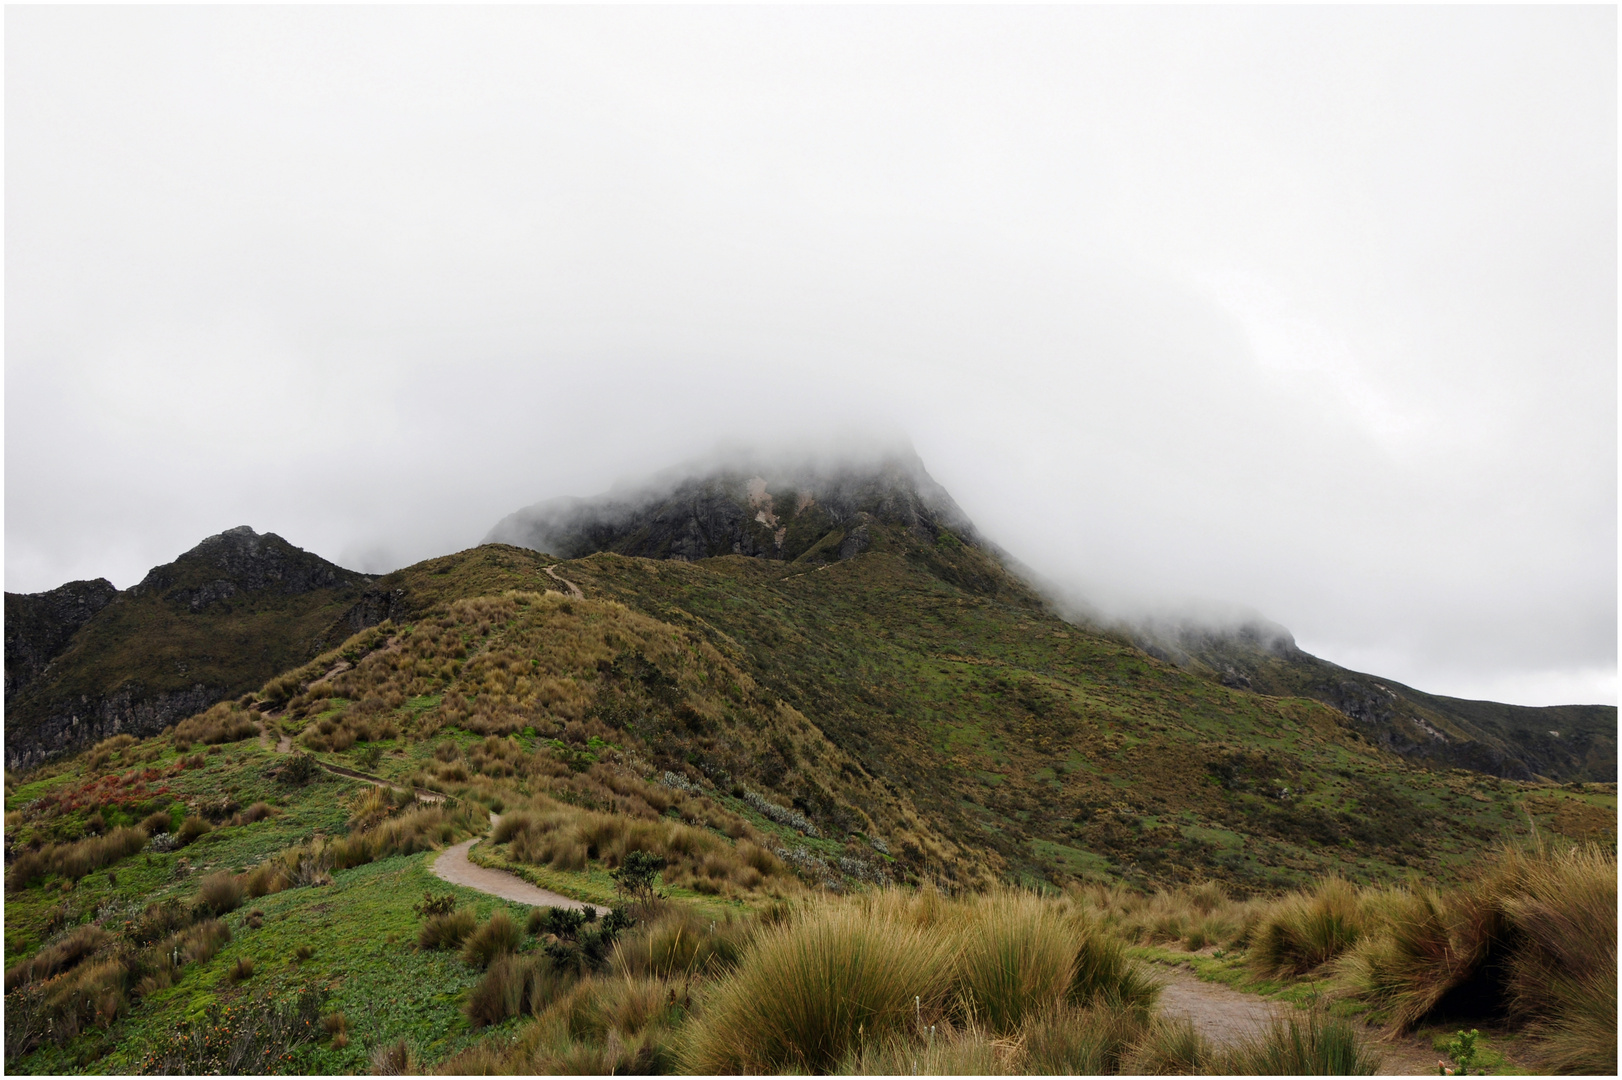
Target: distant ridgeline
<point>86,661</point>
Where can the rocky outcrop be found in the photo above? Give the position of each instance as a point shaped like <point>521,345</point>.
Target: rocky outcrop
<point>74,725</point>
<point>40,625</point>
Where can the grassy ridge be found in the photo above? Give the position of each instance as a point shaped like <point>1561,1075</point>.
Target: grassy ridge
<point>790,741</point>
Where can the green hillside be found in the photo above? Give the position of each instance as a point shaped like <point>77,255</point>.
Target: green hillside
<point>777,732</point>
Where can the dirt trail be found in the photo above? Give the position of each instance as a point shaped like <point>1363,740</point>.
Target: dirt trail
<point>574,590</point>
<point>1226,1016</point>
<point>453,866</point>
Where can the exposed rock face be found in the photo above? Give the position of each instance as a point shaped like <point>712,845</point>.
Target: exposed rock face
<point>761,509</point>
<point>40,625</point>
<point>240,560</point>
<point>84,662</point>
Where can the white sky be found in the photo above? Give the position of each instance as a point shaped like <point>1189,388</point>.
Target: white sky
<point>1312,311</point>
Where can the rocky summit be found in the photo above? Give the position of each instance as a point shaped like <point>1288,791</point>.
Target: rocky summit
<point>784,511</point>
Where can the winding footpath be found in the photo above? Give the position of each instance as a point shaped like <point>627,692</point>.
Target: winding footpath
<point>574,590</point>
<point>453,865</point>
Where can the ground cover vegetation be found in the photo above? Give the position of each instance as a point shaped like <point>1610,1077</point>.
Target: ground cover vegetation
<point>946,837</point>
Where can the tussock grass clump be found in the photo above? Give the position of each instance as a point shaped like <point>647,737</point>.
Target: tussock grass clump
<point>394,1059</point>
<point>1562,977</point>
<point>222,723</point>
<point>73,861</point>
<point>1306,931</point>
<point>805,991</point>
<point>57,957</point>
<point>1071,1041</point>
<point>220,892</point>
<point>192,828</point>
<point>259,811</point>
<point>1017,958</point>
<point>497,937</point>
<point>1533,937</point>
<point>1309,1043</point>
<point>682,943</point>
<point>447,931</point>
<point>517,986</point>
<point>266,878</point>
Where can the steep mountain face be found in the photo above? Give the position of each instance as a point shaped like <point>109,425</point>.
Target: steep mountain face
<point>1562,742</point>
<point>807,514</point>
<point>40,625</point>
<point>85,661</point>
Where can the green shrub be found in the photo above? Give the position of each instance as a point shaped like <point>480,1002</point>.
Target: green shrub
<point>254,1038</point>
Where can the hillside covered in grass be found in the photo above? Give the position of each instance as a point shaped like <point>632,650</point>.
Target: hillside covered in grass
<point>853,798</point>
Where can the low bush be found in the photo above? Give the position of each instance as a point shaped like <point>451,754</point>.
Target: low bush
<point>254,1037</point>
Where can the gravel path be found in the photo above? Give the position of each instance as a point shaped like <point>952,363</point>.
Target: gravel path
<point>453,866</point>
<point>1226,1016</point>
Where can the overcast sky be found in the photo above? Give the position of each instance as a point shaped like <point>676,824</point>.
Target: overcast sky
<point>1308,311</point>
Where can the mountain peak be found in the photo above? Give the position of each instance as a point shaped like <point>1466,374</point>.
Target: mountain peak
<point>779,506</point>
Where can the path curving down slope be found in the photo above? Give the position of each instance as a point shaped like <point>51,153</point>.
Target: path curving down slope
<point>454,866</point>
<point>574,590</point>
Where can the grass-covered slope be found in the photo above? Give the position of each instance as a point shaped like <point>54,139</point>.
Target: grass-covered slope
<point>215,623</point>
<point>1046,752</point>
<point>1562,742</point>
<point>775,733</point>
